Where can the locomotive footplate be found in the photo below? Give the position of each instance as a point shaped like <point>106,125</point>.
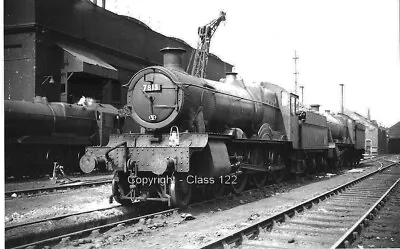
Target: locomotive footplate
<point>154,155</point>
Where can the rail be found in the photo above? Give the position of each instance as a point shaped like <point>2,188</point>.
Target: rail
<point>355,230</point>
<point>253,230</point>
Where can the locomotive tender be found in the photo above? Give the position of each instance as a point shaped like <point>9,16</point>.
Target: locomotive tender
<point>208,135</point>
<point>39,133</point>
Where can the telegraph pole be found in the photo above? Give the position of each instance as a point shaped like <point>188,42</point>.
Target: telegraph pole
<point>295,58</point>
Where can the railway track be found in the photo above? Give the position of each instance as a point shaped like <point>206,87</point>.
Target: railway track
<point>383,231</point>
<point>353,233</point>
<point>333,219</point>
<point>78,231</point>
<point>82,230</point>
<point>46,238</point>
<point>31,234</point>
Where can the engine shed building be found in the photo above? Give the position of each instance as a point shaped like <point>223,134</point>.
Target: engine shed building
<point>375,136</point>
<point>67,49</point>
<point>394,139</point>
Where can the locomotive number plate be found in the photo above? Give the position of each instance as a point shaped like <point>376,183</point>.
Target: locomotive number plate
<point>152,88</point>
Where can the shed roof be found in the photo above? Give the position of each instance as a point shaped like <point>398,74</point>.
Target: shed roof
<point>394,131</point>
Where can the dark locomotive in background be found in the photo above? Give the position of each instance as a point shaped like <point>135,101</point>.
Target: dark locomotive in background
<point>198,128</point>
<point>39,133</point>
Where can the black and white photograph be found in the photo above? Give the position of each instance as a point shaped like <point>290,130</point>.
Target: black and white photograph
<point>200,124</point>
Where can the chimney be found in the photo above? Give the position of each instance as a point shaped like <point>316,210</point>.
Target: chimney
<point>341,98</point>
<point>230,77</point>
<point>173,58</point>
<point>369,113</point>
<point>104,4</point>
<point>315,107</point>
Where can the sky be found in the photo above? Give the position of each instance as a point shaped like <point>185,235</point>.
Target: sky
<point>355,43</point>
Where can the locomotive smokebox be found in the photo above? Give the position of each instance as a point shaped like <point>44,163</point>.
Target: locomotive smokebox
<point>173,58</point>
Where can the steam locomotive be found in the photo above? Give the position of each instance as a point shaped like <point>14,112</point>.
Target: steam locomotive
<point>208,135</point>
<point>39,134</point>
